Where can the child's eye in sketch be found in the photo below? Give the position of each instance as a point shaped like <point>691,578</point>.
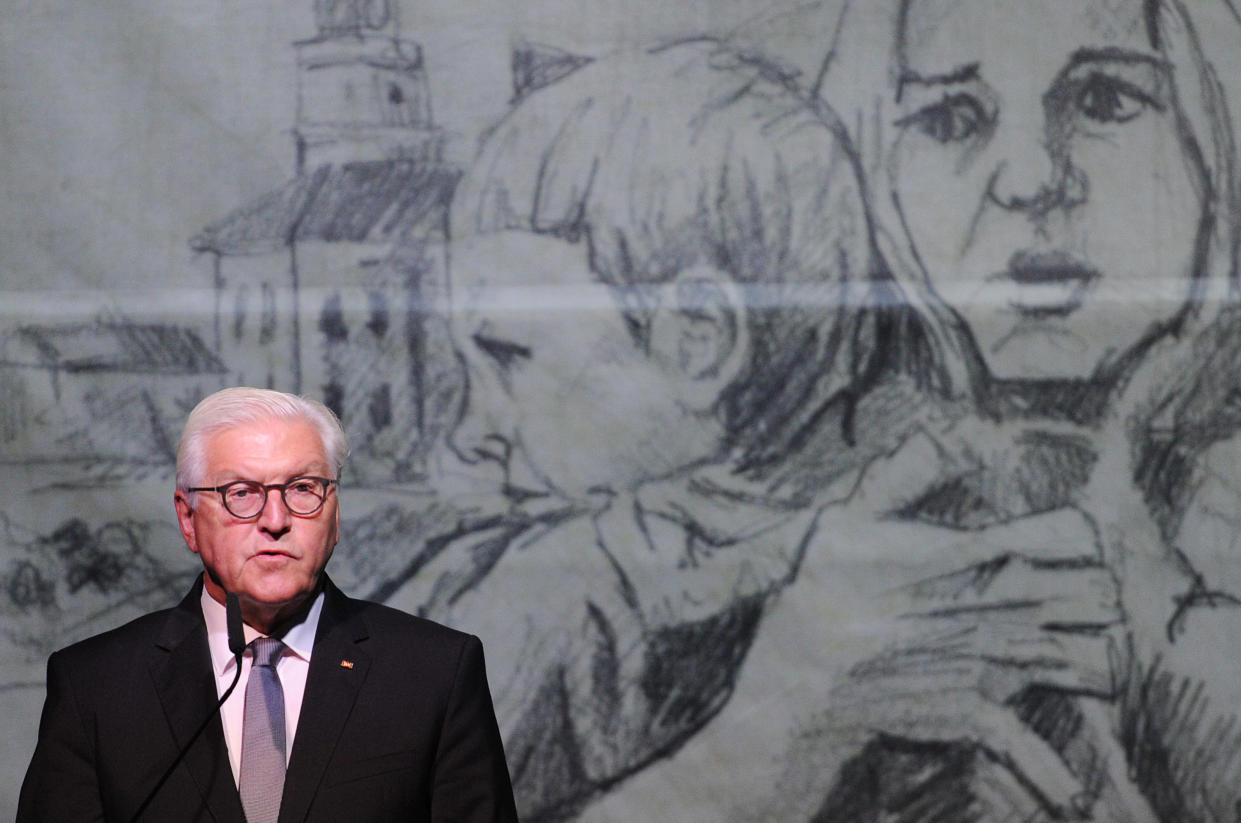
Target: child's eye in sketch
<point>954,119</point>
<point>1108,99</point>
<point>505,353</point>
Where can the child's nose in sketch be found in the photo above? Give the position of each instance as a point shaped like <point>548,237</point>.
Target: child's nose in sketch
<point>1036,180</point>
<point>475,439</point>
<point>480,433</point>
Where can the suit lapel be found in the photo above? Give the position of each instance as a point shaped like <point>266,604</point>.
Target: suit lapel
<point>331,689</point>
<point>180,667</point>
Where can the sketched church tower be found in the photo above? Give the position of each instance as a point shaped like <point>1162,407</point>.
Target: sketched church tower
<point>320,283</point>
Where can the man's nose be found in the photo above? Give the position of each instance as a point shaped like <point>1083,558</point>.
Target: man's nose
<point>275,515</point>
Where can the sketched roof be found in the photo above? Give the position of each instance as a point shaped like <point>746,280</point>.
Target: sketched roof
<point>140,348</point>
<point>372,202</point>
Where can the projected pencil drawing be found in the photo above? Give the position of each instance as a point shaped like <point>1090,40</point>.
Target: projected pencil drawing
<point>829,418</point>
<point>1019,201</point>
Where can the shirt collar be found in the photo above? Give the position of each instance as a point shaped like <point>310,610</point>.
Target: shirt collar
<point>300,639</point>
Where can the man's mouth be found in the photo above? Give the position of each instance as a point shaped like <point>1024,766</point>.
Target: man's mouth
<point>1050,283</point>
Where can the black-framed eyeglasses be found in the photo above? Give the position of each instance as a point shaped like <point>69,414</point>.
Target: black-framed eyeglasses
<point>245,499</point>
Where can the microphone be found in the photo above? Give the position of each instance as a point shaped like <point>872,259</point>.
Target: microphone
<point>236,635</point>
<point>236,645</point>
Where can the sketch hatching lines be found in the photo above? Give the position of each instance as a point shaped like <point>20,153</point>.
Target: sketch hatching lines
<point>896,405</point>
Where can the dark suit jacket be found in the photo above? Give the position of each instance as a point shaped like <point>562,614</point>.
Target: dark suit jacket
<point>406,732</point>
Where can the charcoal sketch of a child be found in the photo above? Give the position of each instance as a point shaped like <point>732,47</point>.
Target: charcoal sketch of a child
<point>658,272</point>
<point>1083,270</point>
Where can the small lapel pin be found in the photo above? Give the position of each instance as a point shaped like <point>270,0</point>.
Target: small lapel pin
<point>346,664</point>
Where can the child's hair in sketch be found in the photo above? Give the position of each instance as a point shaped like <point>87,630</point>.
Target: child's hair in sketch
<point>1207,126</point>
<point>686,155</point>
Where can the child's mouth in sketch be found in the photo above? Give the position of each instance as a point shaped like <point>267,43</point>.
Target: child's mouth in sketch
<point>519,495</point>
<point>1049,284</point>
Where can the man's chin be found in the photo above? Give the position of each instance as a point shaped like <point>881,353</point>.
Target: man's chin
<point>268,610</point>
<point>278,593</point>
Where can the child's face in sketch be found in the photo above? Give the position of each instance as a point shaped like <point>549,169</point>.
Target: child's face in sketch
<point>558,392</point>
<point>1042,178</point>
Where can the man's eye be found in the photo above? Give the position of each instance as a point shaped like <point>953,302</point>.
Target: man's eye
<point>1107,99</point>
<point>955,119</point>
<point>240,492</point>
<point>503,352</point>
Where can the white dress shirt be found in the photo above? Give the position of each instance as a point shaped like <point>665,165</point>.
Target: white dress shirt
<point>292,669</point>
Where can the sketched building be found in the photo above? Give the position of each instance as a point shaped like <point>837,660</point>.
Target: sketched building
<point>320,283</point>
<point>107,395</point>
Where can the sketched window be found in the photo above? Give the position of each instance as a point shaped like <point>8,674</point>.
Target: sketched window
<point>239,311</point>
<point>380,407</point>
<point>377,13</point>
<point>394,113</point>
<point>332,320</point>
<point>267,328</point>
<point>379,321</point>
<point>334,398</point>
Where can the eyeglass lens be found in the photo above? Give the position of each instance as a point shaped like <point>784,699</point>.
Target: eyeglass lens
<point>302,495</point>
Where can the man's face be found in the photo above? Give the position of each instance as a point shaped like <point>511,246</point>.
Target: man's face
<point>558,392</point>
<point>273,562</point>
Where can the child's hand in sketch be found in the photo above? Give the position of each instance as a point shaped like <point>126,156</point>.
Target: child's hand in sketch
<point>901,629</point>
<point>932,632</point>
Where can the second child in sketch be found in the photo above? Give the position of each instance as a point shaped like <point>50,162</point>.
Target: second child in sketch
<point>1069,201</point>
<point>654,270</point>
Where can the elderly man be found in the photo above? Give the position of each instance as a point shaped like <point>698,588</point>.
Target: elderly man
<point>342,709</point>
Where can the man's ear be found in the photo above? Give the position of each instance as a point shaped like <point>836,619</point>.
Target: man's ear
<point>699,332</point>
<point>185,519</point>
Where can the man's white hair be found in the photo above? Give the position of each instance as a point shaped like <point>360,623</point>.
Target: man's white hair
<point>242,404</point>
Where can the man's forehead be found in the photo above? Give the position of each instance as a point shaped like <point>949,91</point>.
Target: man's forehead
<point>296,441</point>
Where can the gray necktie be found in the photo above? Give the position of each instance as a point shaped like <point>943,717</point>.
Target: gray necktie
<point>262,738</point>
